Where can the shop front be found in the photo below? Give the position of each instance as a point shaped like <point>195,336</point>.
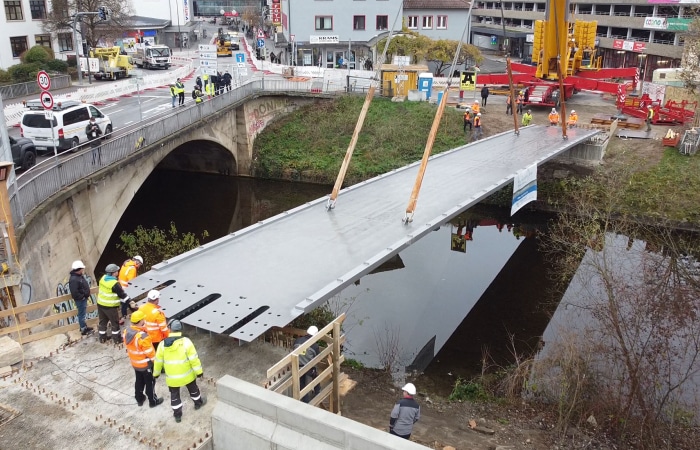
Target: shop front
<point>328,51</point>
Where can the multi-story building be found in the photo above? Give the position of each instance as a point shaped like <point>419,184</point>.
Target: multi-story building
<point>21,29</point>
<point>631,33</point>
<point>436,19</point>
<point>22,20</point>
<point>324,32</point>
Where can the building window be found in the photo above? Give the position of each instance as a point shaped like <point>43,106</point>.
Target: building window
<point>382,22</point>
<point>38,9</point>
<point>427,22</point>
<point>65,42</point>
<point>19,45</point>
<point>441,23</point>
<point>43,39</point>
<point>324,22</point>
<point>412,22</point>
<point>358,22</point>
<point>13,10</point>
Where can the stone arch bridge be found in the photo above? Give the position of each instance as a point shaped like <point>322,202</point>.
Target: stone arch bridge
<point>78,220</point>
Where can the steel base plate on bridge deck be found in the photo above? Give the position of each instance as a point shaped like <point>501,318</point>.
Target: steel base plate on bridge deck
<point>270,273</point>
<point>636,134</point>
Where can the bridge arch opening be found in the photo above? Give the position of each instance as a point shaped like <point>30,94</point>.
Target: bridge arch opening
<point>200,155</point>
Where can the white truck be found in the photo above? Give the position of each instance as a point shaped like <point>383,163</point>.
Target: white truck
<point>152,56</point>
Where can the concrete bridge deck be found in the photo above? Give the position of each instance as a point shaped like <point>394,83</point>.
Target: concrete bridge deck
<point>270,273</point>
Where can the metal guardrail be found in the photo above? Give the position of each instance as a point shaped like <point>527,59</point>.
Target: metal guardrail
<point>29,88</point>
<point>49,177</point>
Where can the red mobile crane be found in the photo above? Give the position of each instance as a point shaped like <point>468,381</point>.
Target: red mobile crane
<point>556,37</point>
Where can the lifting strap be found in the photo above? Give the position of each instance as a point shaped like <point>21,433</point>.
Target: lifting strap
<point>361,119</point>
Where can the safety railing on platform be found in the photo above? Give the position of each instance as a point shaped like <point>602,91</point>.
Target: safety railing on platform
<point>50,176</point>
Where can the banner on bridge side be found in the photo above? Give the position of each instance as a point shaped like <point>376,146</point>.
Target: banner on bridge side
<point>524,188</point>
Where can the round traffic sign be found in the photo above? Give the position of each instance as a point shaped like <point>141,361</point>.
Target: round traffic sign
<point>43,80</point>
<point>46,99</point>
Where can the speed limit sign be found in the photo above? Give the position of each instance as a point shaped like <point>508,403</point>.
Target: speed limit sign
<point>43,80</point>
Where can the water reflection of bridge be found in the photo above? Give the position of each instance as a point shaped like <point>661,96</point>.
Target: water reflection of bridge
<point>268,274</point>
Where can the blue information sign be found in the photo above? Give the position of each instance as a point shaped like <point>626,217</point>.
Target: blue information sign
<point>240,57</point>
<point>261,43</point>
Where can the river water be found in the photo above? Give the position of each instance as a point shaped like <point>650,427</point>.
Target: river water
<point>434,308</point>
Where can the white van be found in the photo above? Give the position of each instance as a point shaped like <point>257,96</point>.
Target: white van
<point>70,118</point>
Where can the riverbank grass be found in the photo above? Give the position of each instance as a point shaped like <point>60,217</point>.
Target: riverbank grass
<point>311,144</point>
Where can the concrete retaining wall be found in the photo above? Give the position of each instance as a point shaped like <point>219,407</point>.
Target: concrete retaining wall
<point>251,417</point>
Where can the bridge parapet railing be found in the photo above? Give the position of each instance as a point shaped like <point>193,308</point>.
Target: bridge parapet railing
<point>49,177</point>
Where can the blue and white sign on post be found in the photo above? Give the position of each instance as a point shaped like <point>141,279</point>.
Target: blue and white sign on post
<point>524,188</point>
<point>240,57</point>
<point>261,43</point>
<point>207,59</point>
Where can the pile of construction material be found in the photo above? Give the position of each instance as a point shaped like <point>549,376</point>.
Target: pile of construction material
<point>671,138</point>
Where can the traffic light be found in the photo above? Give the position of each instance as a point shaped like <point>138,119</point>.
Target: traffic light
<point>102,13</point>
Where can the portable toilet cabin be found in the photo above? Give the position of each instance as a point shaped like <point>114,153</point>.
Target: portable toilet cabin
<point>396,84</point>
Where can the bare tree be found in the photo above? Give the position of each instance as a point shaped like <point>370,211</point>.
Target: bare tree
<point>691,60</point>
<point>633,355</point>
<point>93,28</point>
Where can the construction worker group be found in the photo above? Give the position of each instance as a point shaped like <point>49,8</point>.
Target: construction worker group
<point>153,345</point>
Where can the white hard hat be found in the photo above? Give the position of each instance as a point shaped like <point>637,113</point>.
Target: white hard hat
<point>554,110</point>
<point>409,388</point>
<point>573,111</point>
<point>139,259</point>
<point>77,265</point>
<point>478,114</point>
<point>153,295</point>
<point>312,330</point>
<point>649,106</point>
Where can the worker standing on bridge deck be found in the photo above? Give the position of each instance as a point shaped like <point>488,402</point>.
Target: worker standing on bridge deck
<point>484,95</point>
<point>109,296</point>
<point>180,92</point>
<point>155,323</point>
<point>519,102</point>
<point>405,413</point>
<point>306,357</point>
<point>141,354</point>
<point>467,120</point>
<point>178,358</point>
<point>527,118</point>
<point>477,127</point>
<point>650,117</point>
<point>128,272</point>
<point>554,117</point>
<point>80,291</point>
<point>573,119</point>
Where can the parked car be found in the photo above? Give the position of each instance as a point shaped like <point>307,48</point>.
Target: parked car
<point>23,153</point>
<point>69,120</point>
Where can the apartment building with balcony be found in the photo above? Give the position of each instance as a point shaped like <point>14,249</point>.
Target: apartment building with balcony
<point>327,32</point>
<point>631,33</point>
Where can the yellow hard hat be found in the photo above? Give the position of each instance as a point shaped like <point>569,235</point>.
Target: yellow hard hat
<point>137,316</point>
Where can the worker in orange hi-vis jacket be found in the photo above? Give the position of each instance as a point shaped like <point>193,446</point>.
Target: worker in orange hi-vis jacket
<point>554,117</point>
<point>128,272</point>
<point>573,119</point>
